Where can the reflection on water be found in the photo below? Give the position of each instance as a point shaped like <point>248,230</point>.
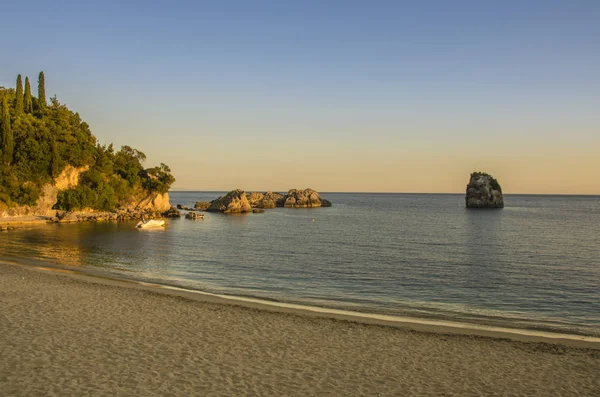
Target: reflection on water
<point>533,264</point>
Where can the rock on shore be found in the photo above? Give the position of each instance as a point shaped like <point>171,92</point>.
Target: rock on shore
<point>154,202</point>
<point>483,191</point>
<point>67,179</point>
<point>171,213</point>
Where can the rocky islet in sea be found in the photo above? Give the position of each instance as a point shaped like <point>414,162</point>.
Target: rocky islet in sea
<point>238,201</point>
<point>483,191</point>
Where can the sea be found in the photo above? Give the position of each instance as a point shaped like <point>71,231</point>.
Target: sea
<point>534,264</point>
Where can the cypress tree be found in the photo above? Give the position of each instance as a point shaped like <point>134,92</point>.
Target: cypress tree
<point>1,129</point>
<point>41,90</point>
<point>8,143</point>
<point>19,102</point>
<point>27,98</point>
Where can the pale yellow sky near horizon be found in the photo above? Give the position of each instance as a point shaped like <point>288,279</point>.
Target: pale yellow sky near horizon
<point>419,167</point>
<point>351,149</point>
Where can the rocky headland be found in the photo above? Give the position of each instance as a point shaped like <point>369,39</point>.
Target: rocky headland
<point>53,168</point>
<point>483,191</point>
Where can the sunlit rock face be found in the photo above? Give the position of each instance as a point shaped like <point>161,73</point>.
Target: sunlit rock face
<point>154,202</point>
<point>68,178</point>
<point>307,198</point>
<point>484,191</point>
<point>233,202</point>
<point>266,200</point>
<point>272,200</point>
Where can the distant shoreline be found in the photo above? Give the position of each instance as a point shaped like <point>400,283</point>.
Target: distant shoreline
<point>426,325</point>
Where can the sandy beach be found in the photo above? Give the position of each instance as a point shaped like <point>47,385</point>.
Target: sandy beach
<point>62,335</point>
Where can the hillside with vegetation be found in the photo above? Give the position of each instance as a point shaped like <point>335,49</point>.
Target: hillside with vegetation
<point>39,139</point>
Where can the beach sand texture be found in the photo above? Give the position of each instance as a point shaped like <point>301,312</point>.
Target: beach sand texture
<point>62,336</point>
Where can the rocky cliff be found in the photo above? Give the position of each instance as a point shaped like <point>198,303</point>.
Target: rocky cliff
<point>154,202</point>
<point>67,179</point>
<point>483,191</point>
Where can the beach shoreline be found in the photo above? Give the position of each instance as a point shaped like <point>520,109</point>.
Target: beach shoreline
<point>65,333</point>
<point>427,325</point>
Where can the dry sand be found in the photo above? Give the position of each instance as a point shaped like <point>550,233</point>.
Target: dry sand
<point>68,336</point>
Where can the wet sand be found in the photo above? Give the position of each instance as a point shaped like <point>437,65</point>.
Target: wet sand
<point>65,335</point>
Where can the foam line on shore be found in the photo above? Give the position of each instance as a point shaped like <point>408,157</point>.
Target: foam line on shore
<point>410,323</point>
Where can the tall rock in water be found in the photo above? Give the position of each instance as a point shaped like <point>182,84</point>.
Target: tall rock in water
<point>233,202</point>
<point>484,191</point>
<point>307,198</point>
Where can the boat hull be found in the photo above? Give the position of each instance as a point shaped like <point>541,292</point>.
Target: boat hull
<point>152,223</point>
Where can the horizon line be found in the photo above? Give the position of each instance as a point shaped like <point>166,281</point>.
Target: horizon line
<point>366,192</point>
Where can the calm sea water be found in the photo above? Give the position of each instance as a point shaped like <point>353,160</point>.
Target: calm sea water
<point>534,264</point>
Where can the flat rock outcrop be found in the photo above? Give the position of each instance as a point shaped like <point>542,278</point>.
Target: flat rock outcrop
<point>483,191</point>
<point>307,198</point>
<point>172,213</point>
<point>233,202</point>
<point>194,216</point>
<point>201,205</point>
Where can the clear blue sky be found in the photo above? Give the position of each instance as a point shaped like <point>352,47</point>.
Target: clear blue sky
<point>335,95</point>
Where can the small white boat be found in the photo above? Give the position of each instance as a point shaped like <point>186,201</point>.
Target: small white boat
<point>150,223</point>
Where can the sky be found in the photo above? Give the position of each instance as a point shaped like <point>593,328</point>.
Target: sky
<point>377,96</point>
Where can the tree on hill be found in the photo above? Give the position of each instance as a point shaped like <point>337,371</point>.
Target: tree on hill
<point>41,91</point>
<point>19,98</point>
<point>28,102</point>
<point>8,143</point>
